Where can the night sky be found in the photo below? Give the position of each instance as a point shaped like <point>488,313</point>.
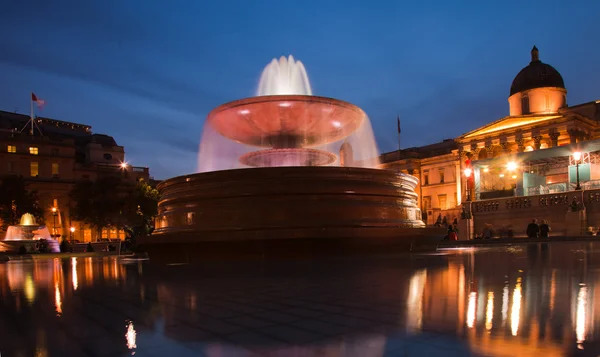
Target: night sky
<point>147,72</point>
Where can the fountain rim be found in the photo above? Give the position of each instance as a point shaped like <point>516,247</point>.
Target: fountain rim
<point>284,98</point>
<point>411,180</point>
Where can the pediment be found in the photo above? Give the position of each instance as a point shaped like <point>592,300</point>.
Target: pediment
<point>509,123</point>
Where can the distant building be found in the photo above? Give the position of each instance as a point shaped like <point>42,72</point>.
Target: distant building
<point>56,155</point>
<point>528,152</point>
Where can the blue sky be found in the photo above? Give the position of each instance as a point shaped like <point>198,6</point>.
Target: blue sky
<point>148,72</point>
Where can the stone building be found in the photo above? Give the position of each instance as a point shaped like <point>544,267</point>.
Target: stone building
<point>528,152</point>
<point>52,156</point>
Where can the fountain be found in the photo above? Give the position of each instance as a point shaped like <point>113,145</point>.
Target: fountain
<point>286,172</point>
<point>27,233</point>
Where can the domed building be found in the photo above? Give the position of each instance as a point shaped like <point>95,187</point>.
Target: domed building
<point>506,162</point>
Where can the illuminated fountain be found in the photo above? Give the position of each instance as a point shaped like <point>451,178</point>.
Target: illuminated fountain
<point>286,169</point>
<point>28,232</point>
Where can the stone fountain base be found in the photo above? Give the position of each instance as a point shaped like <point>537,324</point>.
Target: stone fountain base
<point>276,212</point>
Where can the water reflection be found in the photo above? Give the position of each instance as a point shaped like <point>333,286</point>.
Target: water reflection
<point>496,302</point>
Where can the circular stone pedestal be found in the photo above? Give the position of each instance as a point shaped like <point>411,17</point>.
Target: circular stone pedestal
<point>281,210</point>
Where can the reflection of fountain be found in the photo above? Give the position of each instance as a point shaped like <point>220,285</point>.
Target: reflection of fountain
<point>28,231</point>
<point>298,187</point>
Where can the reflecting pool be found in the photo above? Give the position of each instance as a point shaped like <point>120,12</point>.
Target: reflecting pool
<point>525,300</point>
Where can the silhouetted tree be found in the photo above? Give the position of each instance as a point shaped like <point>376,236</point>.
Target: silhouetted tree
<point>141,209</point>
<point>16,199</point>
<point>100,203</point>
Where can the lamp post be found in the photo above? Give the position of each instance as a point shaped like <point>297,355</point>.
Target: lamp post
<point>468,173</point>
<point>72,229</point>
<point>54,212</point>
<point>577,159</point>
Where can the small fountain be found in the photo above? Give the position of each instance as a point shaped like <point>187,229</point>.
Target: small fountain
<point>286,173</point>
<point>28,232</point>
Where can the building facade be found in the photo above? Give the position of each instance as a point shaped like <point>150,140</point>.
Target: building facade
<point>529,152</point>
<point>52,156</point>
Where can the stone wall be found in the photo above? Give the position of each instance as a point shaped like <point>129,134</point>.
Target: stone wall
<point>517,212</point>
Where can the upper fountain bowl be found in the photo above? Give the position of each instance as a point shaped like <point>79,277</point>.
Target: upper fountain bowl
<point>286,121</point>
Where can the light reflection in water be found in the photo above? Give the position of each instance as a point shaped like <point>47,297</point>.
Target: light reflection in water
<point>471,309</point>
<point>29,288</point>
<point>515,312</point>
<point>580,322</point>
<point>74,273</point>
<point>489,312</point>
<point>57,299</point>
<point>414,304</point>
<point>504,304</point>
<point>130,337</point>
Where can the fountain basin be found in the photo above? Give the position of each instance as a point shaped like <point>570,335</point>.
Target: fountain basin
<point>286,121</point>
<point>278,211</point>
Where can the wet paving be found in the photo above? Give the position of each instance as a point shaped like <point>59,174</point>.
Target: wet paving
<point>537,300</point>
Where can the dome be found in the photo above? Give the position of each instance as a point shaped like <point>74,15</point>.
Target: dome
<point>536,75</point>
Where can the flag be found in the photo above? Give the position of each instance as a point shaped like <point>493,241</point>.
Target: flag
<point>399,124</point>
<point>40,102</point>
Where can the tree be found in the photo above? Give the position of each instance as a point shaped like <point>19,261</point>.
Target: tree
<point>100,203</point>
<point>16,200</point>
<point>141,209</point>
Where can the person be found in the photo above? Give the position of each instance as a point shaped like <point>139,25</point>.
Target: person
<point>455,222</point>
<point>438,222</point>
<point>544,229</point>
<point>487,231</point>
<point>452,234</point>
<point>445,221</point>
<point>533,229</point>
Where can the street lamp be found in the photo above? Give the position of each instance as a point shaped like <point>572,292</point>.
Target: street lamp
<point>577,159</point>
<point>72,229</point>
<point>54,213</point>
<point>468,173</point>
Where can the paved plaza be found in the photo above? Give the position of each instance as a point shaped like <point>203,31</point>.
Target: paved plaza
<point>524,300</point>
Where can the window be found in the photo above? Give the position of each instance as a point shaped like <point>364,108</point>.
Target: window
<point>11,166</point>
<point>12,149</point>
<point>427,202</point>
<point>55,169</point>
<point>107,156</point>
<point>189,219</point>
<point>441,175</point>
<point>525,104</point>
<point>442,200</point>
<point>54,152</point>
<point>34,168</point>
<point>33,150</point>
<point>426,178</point>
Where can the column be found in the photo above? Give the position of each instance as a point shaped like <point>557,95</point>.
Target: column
<point>537,142</point>
<point>554,138</point>
<point>505,147</point>
<point>572,136</point>
<point>520,144</point>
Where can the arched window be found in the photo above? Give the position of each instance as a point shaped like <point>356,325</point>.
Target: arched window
<point>525,104</point>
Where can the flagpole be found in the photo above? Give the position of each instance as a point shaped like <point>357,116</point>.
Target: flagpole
<point>31,117</point>
<point>399,131</point>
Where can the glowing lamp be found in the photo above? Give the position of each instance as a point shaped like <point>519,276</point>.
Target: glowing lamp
<point>53,209</point>
<point>486,169</point>
<point>501,175</point>
<point>72,229</point>
<point>123,165</point>
<point>514,176</point>
<point>468,172</point>
<point>577,156</point>
<point>511,166</point>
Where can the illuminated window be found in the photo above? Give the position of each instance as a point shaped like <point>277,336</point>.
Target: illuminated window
<point>442,200</point>
<point>427,202</point>
<point>33,150</point>
<point>441,175</point>
<point>189,219</point>
<point>12,149</point>
<point>525,104</point>
<point>55,169</point>
<point>34,168</point>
